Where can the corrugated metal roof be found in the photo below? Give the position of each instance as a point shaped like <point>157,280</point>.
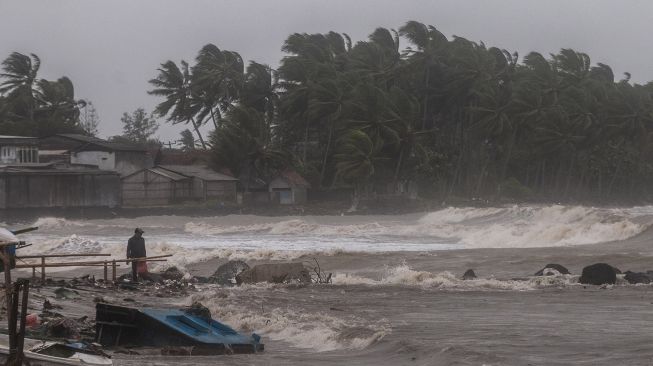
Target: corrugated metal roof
<point>90,141</point>
<point>198,171</point>
<point>168,174</point>
<point>294,178</point>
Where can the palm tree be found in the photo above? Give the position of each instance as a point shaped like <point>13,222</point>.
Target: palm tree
<point>174,84</point>
<point>430,47</point>
<point>355,160</point>
<point>217,80</point>
<point>20,74</point>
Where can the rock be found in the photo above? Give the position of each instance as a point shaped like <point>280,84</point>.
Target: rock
<point>637,277</point>
<point>172,273</point>
<point>47,305</point>
<point>469,275</point>
<point>64,293</point>
<point>152,277</point>
<point>201,279</point>
<point>63,328</point>
<point>101,299</point>
<point>226,274</point>
<point>200,310</point>
<point>598,274</point>
<point>127,286</point>
<point>176,351</point>
<point>128,299</point>
<point>551,269</point>
<point>275,273</point>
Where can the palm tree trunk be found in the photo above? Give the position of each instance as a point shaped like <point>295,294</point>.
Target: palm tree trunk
<point>326,152</point>
<point>199,134</point>
<point>400,161</point>
<point>305,142</point>
<point>426,96</point>
<point>215,124</point>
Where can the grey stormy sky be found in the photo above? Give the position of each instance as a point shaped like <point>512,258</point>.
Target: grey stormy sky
<point>111,48</point>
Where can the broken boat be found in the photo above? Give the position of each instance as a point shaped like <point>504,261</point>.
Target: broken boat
<point>43,353</point>
<point>124,326</point>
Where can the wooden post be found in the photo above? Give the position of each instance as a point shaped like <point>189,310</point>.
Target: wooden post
<point>106,269</point>
<point>43,269</point>
<point>34,272</point>
<point>113,270</point>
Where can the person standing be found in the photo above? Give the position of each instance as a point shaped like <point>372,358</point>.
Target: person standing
<point>136,249</point>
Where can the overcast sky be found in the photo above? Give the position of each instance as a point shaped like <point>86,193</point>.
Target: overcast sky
<point>111,48</point>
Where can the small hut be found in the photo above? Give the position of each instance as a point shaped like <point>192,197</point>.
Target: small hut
<point>207,183</point>
<point>155,186</point>
<point>289,188</point>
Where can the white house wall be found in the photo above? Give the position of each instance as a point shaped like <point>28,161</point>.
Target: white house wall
<point>102,159</point>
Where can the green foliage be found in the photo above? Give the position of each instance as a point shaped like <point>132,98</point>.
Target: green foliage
<point>455,116</point>
<point>138,126</point>
<point>30,106</point>
<point>187,140</point>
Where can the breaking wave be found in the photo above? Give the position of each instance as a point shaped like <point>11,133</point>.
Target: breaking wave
<point>403,275</point>
<point>318,331</point>
<point>516,226</point>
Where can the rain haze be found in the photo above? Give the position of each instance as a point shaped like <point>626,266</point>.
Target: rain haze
<point>110,49</point>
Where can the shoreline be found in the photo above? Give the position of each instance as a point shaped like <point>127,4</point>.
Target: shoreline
<point>381,207</point>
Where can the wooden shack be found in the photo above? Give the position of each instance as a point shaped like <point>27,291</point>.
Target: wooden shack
<point>155,186</point>
<point>289,188</point>
<point>207,183</point>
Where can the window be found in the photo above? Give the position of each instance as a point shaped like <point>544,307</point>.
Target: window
<point>27,154</point>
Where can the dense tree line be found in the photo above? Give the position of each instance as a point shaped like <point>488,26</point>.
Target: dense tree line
<point>31,106</point>
<point>451,115</point>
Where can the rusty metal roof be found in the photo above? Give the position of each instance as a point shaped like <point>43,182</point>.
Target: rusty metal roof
<point>198,171</point>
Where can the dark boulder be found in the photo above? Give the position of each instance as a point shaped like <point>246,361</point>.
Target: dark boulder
<point>469,275</point>
<point>550,270</point>
<point>637,277</point>
<point>226,274</point>
<point>64,328</point>
<point>172,273</point>
<point>200,310</point>
<point>598,274</point>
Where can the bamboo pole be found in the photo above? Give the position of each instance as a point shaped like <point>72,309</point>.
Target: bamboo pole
<point>84,263</point>
<point>65,255</point>
<point>145,259</point>
<point>51,265</point>
<point>113,269</point>
<point>43,269</point>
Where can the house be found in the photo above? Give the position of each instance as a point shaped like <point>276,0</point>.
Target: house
<point>155,186</point>
<point>18,150</point>
<point>289,188</point>
<point>44,186</point>
<point>207,183</point>
<point>124,158</point>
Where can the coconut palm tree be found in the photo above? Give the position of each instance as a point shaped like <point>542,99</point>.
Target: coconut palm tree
<point>20,74</point>
<point>174,84</point>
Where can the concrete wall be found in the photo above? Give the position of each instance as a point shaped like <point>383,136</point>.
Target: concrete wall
<point>123,162</point>
<point>80,189</point>
<point>104,160</point>
<point>128,162</point>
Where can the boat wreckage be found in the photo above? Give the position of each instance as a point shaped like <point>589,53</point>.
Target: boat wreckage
<point>196,330</point>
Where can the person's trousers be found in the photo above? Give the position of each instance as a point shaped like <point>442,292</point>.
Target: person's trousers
<point>134,271</point>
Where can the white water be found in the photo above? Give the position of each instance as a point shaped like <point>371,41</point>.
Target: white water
<point>267,238</point>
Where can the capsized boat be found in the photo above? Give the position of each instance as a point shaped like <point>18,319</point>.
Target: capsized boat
<point>118,325</point>
<point>44,353</point>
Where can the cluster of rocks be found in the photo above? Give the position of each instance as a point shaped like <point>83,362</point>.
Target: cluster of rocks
<point>595,274</point>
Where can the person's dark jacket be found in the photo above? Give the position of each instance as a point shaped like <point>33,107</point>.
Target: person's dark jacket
<point>136,247</point>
